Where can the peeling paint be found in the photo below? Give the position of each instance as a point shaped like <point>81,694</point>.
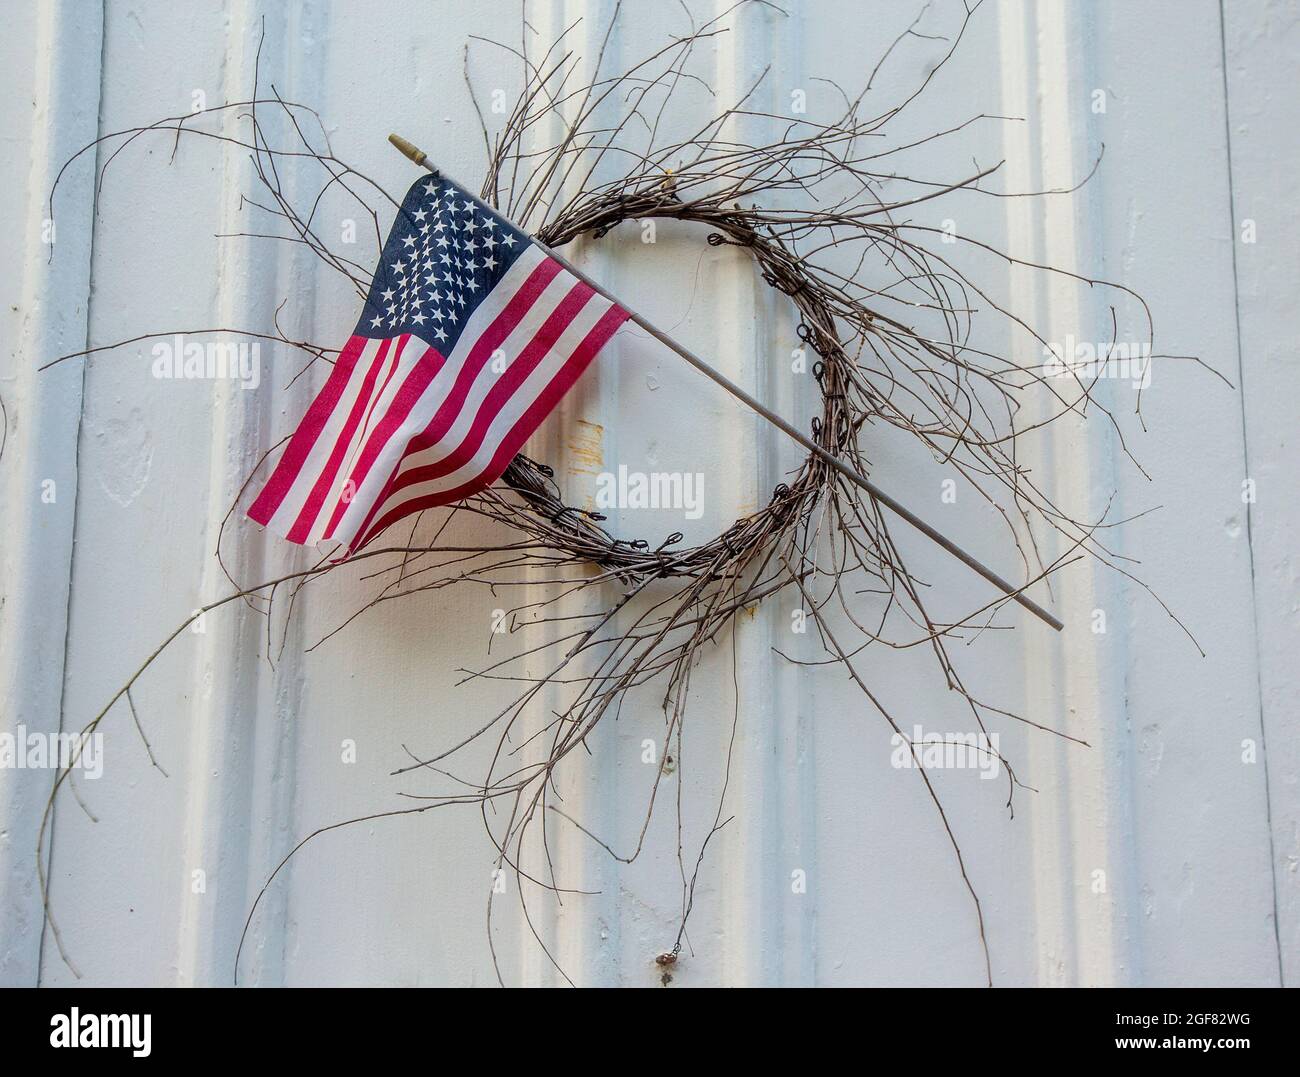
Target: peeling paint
<point>586,449</point>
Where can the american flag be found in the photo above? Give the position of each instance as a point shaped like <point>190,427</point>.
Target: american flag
<point>470,336</point>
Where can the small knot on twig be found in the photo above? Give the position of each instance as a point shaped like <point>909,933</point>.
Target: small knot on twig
<point>717,239</point>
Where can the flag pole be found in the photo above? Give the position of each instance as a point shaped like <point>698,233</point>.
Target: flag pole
<point>420,158</point>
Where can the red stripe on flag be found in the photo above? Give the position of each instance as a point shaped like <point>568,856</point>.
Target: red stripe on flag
<point>523,429</point>
<point>520,303</point>
<point>311,508</point>
<point>300,445</point>
<point>417,380</point>
<point>495,334</point>
<point>499,395</point>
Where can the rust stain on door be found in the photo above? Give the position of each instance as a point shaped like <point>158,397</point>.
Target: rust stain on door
<point>587,449</point>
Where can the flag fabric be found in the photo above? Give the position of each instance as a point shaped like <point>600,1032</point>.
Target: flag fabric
<point>470,336</point>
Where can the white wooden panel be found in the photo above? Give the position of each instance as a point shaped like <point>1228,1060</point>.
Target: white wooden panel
<point>1197,848</point>
<point>1260,45</point>
<point>51,83</point>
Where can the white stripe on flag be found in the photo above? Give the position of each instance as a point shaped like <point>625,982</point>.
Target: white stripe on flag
<point>512,409</point>
<point>391,458</point>
<point>513,346</point>
<point>288,510</point>
<point>386,384</point>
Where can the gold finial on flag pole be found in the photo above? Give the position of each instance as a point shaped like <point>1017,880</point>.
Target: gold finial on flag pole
<point>413,153</point>
<point>417,155</point>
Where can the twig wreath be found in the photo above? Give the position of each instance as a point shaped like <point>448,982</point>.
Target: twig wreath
<point>812,208</point>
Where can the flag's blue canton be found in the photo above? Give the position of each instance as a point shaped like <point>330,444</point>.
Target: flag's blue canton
<point>445,253</point>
